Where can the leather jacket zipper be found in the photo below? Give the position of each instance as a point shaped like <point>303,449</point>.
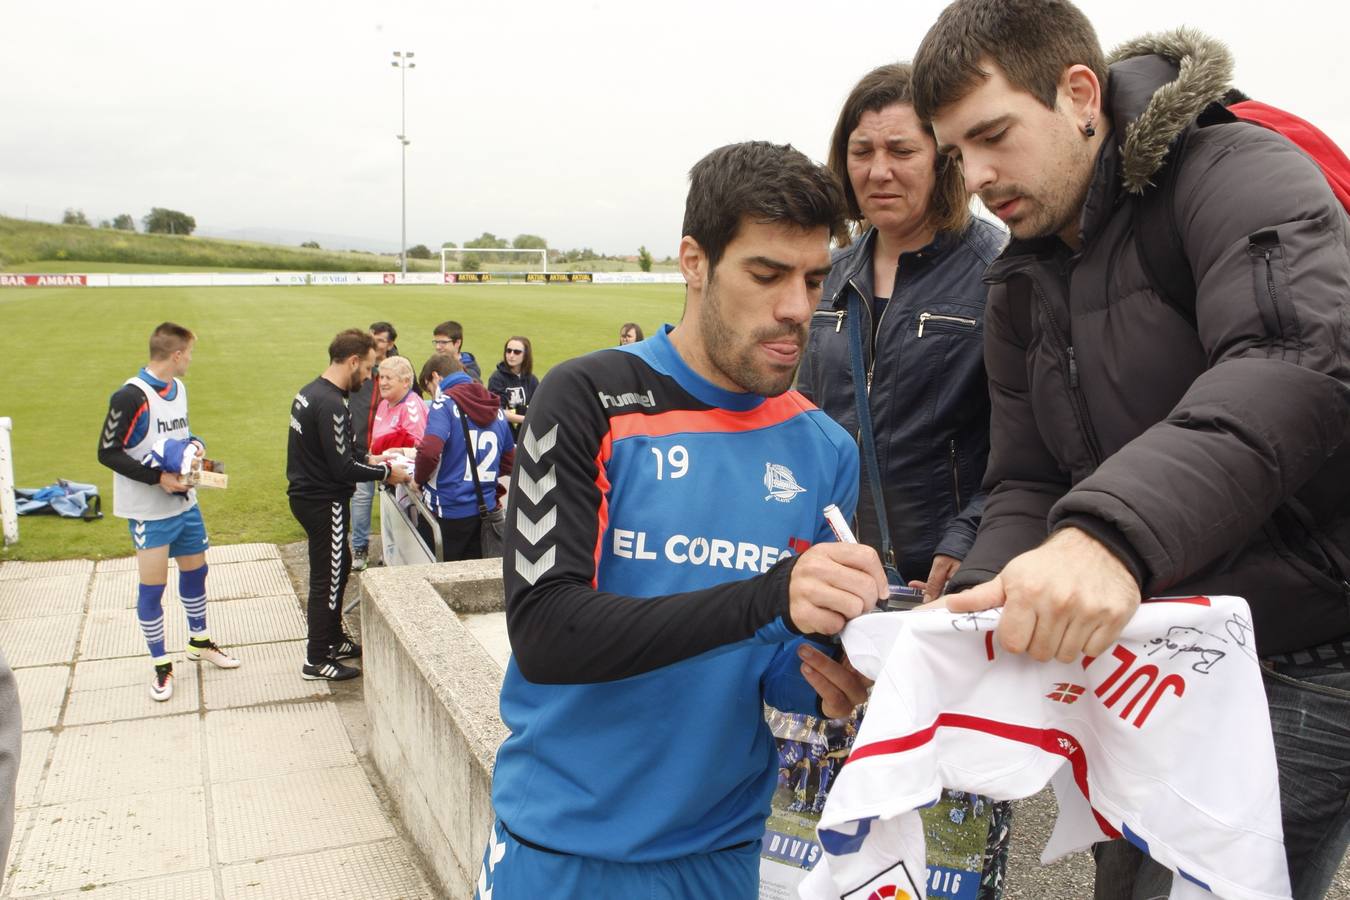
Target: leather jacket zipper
<point>956,476</point>
<point>1080,411</point>
<point>925,318</point>
<point>837,315</point>
<point>867,309</point>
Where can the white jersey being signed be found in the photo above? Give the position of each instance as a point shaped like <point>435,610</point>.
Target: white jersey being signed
<point>1164,740</point>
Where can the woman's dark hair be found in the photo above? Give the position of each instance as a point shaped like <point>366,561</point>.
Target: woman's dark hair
<point>949,207</point>
<point>633,327</point>
<point>527,359</point>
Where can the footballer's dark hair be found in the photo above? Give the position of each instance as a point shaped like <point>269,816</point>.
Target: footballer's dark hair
<point>762,183</point>
<point>384,328</point>
<point>1032,41</point>
<point>349,343</point>
<point>168,338</point>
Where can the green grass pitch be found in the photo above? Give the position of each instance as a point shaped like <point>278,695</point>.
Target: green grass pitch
<point>70,348</point>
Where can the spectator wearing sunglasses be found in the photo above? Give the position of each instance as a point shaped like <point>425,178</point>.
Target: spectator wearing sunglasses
<point>514,381</point>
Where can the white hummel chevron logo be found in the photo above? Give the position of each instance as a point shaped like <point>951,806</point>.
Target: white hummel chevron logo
<point>538,490</point>
<point>533,531</point>
<point>531,571</point>
<point>496,850</point>
<point>110,430</point>
<point>537,447</point>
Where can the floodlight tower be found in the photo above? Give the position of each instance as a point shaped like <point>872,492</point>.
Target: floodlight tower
<point>403,62</point>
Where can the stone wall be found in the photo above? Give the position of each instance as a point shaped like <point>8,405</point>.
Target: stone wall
<point>431,695</point>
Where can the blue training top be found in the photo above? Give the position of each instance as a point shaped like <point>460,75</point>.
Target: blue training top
<point>656,520</point>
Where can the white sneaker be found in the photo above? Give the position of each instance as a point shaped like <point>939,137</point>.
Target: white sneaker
<point>161,688</point>
<point>212,653</point>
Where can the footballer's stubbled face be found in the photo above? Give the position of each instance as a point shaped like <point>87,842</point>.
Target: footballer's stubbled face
<point>757,303</point>
<point>362,372</point>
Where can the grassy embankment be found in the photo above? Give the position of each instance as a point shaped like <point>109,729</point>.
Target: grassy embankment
<point>257,346</point>
<point>23,243</point>
<point>39,247</point>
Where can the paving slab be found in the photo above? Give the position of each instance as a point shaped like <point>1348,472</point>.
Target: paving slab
<point>93,842</point>
<point>264,817</point>
<point>379,871</point>
<point>113,633</point>
<point>239,744</point>
<point>261,578</point>
<point>188,886</point>
<point>205,795</point>
<point>25,569</point>
<point>230,553</point>
<point>55,595</point>
<point>42,690</point>
<point>256,620</point>
<point>120,564</point>
<point>107,690</point>
<point>118,590</point>
<point>39,642</point>
<point>114,759</point>
<point>21,819</point>
<point>270,673</point>
<point>32,760</point>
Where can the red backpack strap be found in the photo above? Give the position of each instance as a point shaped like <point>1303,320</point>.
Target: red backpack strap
<point>1308,137</point>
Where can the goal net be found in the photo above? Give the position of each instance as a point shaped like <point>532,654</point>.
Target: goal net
<point>504,259</point>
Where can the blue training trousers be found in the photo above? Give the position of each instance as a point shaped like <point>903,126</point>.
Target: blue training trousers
<point>514,871</point>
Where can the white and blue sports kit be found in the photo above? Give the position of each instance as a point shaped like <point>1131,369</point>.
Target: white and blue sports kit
<point>145,432</point>
<point>654,520</point>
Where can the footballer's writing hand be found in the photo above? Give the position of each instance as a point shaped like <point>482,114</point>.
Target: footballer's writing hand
<point>840,686</point>
<point>173,483</point>
<point>1069,597</point>
<point>832,583</point>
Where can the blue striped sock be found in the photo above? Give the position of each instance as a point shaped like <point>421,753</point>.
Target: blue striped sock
<point>150,613</point>
<point>192,591</point>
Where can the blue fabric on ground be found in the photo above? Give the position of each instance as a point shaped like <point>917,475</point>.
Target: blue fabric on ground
<point>70,499</point>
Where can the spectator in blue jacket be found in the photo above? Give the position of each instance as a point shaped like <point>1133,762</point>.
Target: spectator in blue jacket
<point>448,337</point>
<point>442,468</point>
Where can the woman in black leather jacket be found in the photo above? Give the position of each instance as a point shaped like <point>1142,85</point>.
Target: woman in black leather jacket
<point>908,294</point>
<point>912,281</point>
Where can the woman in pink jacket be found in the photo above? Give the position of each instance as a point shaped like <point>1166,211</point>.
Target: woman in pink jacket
<point>401,418</point>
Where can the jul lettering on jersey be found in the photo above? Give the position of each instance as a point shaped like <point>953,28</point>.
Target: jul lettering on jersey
<point>682,549</point>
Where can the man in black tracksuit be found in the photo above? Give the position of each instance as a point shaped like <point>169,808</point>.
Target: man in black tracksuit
<point>323,468</point>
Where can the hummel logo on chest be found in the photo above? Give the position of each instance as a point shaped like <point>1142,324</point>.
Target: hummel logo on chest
<point>632,398</point>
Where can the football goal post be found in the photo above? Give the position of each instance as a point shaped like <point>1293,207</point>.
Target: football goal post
<point>473,259</point>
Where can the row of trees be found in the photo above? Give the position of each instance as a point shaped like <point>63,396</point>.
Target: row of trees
<point>157,221</point>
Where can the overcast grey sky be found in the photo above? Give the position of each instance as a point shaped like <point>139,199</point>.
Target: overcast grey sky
<point>576,121</point>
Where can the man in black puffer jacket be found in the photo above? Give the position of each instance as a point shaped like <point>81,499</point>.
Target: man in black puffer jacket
<point>1133,450</point>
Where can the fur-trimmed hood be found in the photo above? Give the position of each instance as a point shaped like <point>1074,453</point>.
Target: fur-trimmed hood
<point>1159,84</point>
